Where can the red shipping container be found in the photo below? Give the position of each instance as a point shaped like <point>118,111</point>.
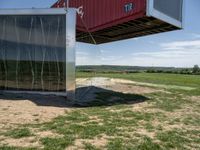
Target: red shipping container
<point>112,20</point>
<point>100,14</point>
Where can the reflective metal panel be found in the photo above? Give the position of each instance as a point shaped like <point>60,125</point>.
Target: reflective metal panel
<point>70,52</point>
<point>34,55</point>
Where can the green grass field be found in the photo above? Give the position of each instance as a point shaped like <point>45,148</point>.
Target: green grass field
<point>167,119</point>
<point>157,78</point>
<point>154,78</point>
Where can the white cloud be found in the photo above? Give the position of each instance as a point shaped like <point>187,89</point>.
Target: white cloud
<point>180,53</point>
<point>177,53</point>
<point>87,57</point>
<point>111,58</point>
<point>180,45</point>
<point>195,35</point>
<point>81,53</point>
<point>168,54</point>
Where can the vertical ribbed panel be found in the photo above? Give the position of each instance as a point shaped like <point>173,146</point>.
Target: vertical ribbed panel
<point>99,14</point>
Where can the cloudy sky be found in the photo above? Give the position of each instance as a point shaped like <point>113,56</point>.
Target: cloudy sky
<point>177,48</point>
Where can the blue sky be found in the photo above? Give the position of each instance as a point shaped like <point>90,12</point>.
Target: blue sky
<point>177,48</point>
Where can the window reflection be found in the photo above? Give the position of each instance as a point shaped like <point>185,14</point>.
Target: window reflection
<point>33,53</point>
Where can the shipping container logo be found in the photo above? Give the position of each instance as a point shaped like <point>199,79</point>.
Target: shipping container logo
<point>128,7</point>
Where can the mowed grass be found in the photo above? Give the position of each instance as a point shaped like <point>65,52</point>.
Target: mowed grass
<point>166,119</point>
<point>155,78</point>
<point>161,79</point>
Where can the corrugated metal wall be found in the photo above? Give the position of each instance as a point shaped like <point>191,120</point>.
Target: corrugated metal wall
<point>100,14</point>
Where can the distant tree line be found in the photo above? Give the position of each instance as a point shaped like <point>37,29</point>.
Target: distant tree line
<point>108,71</point>
<point>193,71</point>
<point>135,69</point>
<point>196,69</point>
<point>182,71</point>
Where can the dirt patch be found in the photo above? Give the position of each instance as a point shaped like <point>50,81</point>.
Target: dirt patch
<point>153,85</point>
<point>131,89</point>
<point>22,142</point>
<point>25,111</point>
<point>95,119</point>
<point>1,138</point>
<point>98,142</point>
<point>116,85</point>
<point>43,134</point>
<point>122,81</point>
<point>28,142</point>
<point>146,133</point>
<point>195,99</point>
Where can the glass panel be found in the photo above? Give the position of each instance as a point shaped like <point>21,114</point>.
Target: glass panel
<point>88,60</point>
<point>33,53</point>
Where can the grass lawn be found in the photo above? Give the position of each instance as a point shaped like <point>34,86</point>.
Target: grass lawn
<point>154,78</point>
<point>157,78</point>
<point>168,119</point>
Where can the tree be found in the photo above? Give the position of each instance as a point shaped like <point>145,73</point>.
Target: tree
<point>195,69</point>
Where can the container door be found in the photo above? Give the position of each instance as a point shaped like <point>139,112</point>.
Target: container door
<point>170,11</point>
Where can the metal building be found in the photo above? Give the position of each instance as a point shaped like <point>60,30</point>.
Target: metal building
<point>37,52</point>
<point>37,46</point>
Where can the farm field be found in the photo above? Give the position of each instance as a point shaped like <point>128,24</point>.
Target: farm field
<point>114,111</point>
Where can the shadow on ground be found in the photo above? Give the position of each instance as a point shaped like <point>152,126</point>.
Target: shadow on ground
<point>90,96</point>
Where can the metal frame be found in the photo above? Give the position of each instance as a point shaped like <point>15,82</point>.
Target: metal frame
<point>70,53</point>
<point>70,45</point>
<point>159,15</point>
<point>34,11</point>
<point>183,13</point>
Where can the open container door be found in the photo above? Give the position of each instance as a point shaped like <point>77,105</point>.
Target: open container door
<point>170,11</point>
<point>37,51</point>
